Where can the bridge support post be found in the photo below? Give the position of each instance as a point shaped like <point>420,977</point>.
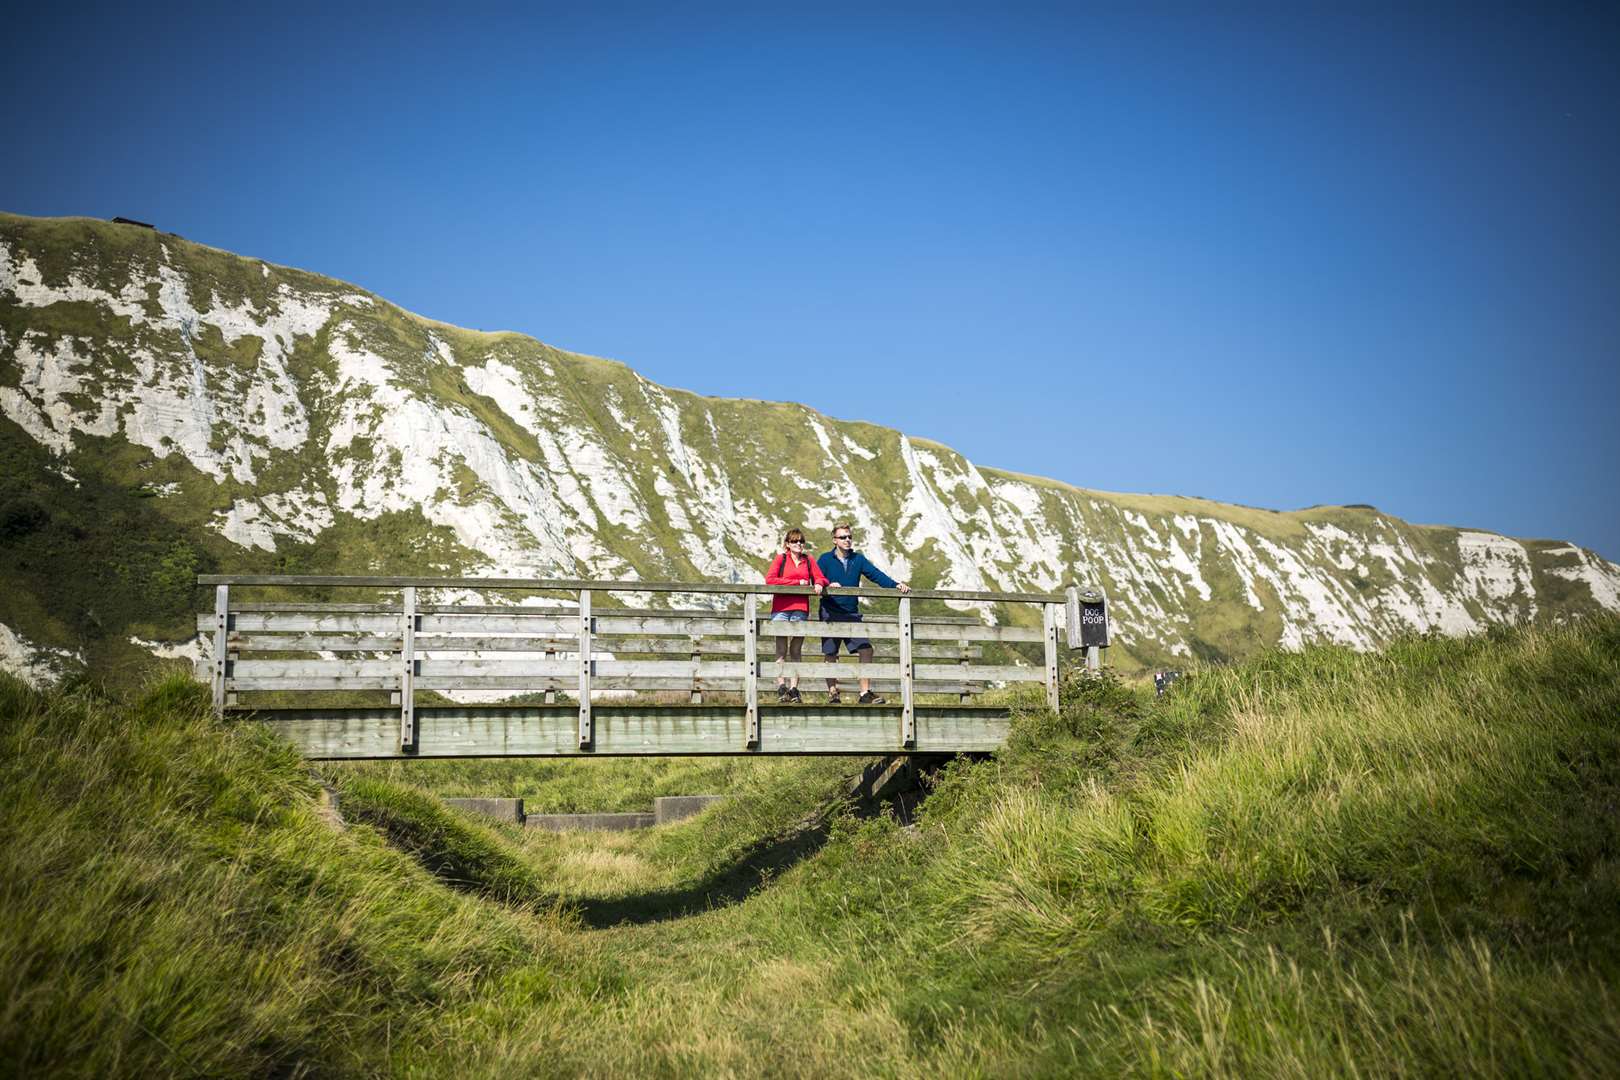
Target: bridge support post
<point>1049,620</point>
<point>407,670</point>
<point>908,699</point>
<point>586,732</point>
<point>751,674</point>
<point>222,618</point>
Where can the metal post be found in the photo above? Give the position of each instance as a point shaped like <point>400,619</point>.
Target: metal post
<point>751,673</point>
<point>407,671</point>
<point>586,732</point>
<point>222,618</point>
<point>908,707</point>
<point>1049,620</point>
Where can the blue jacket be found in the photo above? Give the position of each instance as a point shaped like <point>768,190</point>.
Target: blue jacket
<point>845,576</point>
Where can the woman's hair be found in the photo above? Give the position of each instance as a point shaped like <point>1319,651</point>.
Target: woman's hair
<point>792,535</point>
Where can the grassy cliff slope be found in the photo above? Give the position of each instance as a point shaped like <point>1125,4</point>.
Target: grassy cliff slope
<point>1319,862</point>
<point>167,408</point>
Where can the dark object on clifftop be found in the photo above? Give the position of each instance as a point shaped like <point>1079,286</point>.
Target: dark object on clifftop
<point>132,221</point>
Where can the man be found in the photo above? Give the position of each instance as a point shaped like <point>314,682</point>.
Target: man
<point>845,567</point>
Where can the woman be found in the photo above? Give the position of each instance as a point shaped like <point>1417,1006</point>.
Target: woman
<point>792,567</point>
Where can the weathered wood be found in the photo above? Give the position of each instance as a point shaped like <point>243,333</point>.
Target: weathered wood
<point>540,730</point>
<point>407,670</point>
<point>750,629</point>
<point>257,643</point>
<point>526,684</point>
<point>1071,615</point>
<point>578,584</point>
<point>908,716</point>
<point>536,625</point>
<point>1049,621</point>
<point>920,672</point>
<point>291,623</point>
<point>222,609</point>
<point>892,631</point>
<point>586,731</point>
<point>713,648</point>
<point>296,669</point>
<point>389,681</point>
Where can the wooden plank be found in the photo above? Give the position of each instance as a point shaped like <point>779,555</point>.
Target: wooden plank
<point>1049,619</point>
<point>443,669</point>
<point>407,670</point>
<point>750,629</point>
<point>315,643</point>
<point>920,672</point>
<point>586,627</point>
<point>274,622</point>
<point>892,632</point>
<point>445,643</point>
<point>389,681</point>
<point>537,624</point>
<point>1071,621</point>
<point>579,584</point>
<point>298,669</point>
<point>484,731</point>
<point>686,625</point>
<point>222,612</point>
<point>908,716</point>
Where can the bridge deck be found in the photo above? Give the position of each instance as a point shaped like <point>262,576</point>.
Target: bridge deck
<point>632,729</point>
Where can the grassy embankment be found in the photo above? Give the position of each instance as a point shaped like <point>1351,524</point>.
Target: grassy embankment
<point>1310,863</point>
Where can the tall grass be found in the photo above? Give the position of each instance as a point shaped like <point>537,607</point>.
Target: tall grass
<point>1313,863</point>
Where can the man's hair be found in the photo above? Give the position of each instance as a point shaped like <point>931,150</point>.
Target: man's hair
<point>843,525</point>
<point>792,535</point>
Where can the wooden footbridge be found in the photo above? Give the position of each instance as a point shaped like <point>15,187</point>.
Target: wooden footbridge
<point>566,674</point>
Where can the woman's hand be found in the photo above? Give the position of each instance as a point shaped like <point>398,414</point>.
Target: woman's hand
<point>818,589</point>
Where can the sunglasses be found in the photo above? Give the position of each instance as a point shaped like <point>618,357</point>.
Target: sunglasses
<point>846,536</point>
<point>793,543</point>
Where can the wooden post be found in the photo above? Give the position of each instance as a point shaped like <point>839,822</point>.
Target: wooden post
<point>1072,615</point>
<point>1049,613</point>
<point>586,734</point>
<point>966,695</point>
<point>697,655</point>
<point>407,671</point>
<point>908,705</point>
<point>222,618</point>
<point>551,695</point>
<point>751,673</point>
<point>1093,658</point>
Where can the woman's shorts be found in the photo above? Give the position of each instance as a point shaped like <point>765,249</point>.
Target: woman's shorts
<point>790,616</point>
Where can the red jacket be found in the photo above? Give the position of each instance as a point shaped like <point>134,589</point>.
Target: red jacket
<point>783,572</point>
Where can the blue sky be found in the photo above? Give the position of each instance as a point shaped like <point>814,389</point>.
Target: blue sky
<point>1274,254</point>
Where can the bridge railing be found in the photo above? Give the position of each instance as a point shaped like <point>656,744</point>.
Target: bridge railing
<point>581,647</point>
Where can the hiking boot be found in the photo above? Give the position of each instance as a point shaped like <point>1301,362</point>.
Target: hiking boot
<point>833,698</point>
<point>870,698</point>
<point>782,697</point>
<point>795,697</point>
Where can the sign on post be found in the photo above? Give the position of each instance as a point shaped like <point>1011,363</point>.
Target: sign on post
<point>1088,623</point>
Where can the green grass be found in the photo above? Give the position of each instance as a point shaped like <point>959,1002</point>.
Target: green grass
<point>1315,863</point>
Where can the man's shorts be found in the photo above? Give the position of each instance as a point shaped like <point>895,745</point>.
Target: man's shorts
<point>829,645</point>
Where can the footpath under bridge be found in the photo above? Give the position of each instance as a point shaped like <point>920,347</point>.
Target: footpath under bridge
<point>389,676</point>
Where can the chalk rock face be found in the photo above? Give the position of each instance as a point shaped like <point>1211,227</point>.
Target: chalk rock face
<point>275,419</point>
